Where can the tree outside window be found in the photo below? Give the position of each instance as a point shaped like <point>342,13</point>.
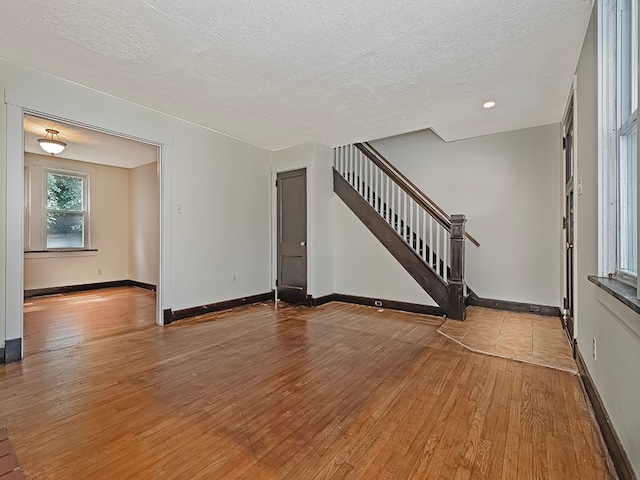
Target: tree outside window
<point>65,210</point>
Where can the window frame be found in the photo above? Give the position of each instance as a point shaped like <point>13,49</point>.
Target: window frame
<point>35,183</point>
<point>612,128</point>
<point>46,171</point>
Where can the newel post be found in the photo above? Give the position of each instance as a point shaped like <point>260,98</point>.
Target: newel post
<point>457,303</point>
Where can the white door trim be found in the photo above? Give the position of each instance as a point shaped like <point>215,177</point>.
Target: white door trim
<point>17,104</point>
<point>572,102</point>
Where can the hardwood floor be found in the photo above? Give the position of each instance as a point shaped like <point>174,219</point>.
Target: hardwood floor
<point>335,392</point>
<point>58,321</point>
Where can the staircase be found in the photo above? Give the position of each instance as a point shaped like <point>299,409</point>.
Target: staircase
<point>426,241</point>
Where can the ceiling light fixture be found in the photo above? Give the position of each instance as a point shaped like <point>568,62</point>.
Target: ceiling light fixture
<point>489,104</point>
<point>49,144</point>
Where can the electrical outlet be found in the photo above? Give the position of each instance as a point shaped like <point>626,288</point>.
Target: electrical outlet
<point>595,349</point>
<point>234,278</point>
<point>99,271</point>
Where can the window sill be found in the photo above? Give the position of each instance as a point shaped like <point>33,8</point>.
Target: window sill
<point>620,299</point>
<point>621,291</point>
<point>80,252</point>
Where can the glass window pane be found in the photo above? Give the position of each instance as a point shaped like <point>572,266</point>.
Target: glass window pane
<point>624,60</point>
<point>64,192</point>
<point>65,230</point>
<point>634,55</point>
<point>628,232</point>
<point>627,58</point>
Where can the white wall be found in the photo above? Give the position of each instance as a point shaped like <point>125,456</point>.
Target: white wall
<point>364,267</point>
<point>616,328</point>
<point>324,218</point>
<point>223,186</point>
<point>144,224</point>
<point>507,185</point>
<point>222,183</point>
<point>109,230</point>
<point>318,160</point>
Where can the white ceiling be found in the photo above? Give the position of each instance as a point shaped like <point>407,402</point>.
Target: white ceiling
<point>87,145</point>
<point>281,72</point>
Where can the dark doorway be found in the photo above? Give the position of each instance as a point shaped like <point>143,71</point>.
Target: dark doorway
<point>292,236</point>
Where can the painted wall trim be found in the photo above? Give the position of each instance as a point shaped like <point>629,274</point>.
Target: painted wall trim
<point>218,306</point>
<point>17,104</point>
<point>36,292</point>
<point>382,303</point>
<point>14,244</point>
<point>612,441</point>
<point>80,117</point>
<point>435,310</point>
<point>317,301</point>
<point>12,351</point>
<point>166,316</point>
<point>510,306</point>
<point>146,286</point>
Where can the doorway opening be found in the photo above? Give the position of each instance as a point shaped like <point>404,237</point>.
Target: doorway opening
<point>17,105</point>
<point>92,215</point>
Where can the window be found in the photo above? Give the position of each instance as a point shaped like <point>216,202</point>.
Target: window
<point>57,204</point>
<point>627,134</point>
<point>628,202</point>
<point>65,210</point>
<point>618,38</point>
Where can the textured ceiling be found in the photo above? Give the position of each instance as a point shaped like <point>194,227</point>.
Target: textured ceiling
<point>89,146</point>
<point>281,72</point>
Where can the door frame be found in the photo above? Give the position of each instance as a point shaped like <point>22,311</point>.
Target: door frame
<point>571,108</point>
<point>307,164</point>
<point>18,104</point>
<point>570,193</point>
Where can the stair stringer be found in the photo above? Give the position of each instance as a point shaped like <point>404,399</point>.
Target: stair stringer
<point>422,273</point>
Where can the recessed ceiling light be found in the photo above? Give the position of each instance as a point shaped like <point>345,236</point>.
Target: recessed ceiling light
<point>489,104</point>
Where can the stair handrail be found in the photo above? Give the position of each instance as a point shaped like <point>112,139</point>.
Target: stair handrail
<point>410,188</point>
<point>387,167</point>
<point>408,182</point>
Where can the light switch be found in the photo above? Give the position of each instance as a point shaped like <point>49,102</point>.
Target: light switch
<point>580,185</point>
<point>179,209</point>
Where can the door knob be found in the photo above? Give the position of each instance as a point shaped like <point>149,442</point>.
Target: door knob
<point>302,244</point>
